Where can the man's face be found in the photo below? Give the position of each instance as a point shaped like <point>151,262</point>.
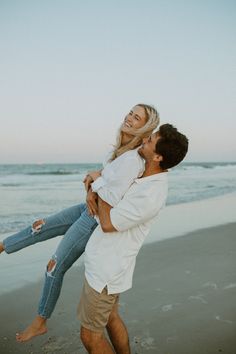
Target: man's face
<point>147,149</point>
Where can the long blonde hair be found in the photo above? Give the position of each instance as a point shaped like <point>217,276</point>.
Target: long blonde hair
<point>152,122</point>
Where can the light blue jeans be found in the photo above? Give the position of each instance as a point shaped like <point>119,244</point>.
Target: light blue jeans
<point>77,226</point>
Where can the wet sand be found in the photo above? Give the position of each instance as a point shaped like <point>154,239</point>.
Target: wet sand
<point>182,301</point>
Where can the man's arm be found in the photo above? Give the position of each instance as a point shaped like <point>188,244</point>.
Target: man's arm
<point>104,216</point>
<point>134,209</point>
<point>91,200</point>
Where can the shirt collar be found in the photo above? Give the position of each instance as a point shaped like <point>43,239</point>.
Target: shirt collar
<point>162,176</point>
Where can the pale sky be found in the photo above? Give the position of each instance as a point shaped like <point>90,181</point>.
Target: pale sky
<point>72,69</point>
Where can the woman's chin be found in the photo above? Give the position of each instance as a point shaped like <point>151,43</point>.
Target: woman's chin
<point>125,130</point>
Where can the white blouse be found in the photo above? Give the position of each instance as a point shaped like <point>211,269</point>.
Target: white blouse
<point>118,175</point>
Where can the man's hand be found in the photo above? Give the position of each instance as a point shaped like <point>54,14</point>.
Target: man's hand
<point>91,200</point>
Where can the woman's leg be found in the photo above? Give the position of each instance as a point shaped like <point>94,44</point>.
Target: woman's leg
<point>69,250</point>
<point>42,230</point>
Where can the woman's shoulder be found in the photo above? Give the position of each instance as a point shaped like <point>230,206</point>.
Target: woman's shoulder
<point>107,157</point>
<point>131,154</point>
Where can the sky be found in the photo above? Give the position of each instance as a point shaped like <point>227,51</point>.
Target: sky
<point>71,70</point>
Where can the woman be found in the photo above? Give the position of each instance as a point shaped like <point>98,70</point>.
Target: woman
<point>77,223</point>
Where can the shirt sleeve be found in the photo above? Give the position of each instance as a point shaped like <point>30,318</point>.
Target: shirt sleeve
<point>99,183</point>
<point>111,190</point>
<point>137,208</point>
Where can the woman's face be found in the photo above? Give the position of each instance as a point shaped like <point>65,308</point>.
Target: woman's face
<point>135,119</point>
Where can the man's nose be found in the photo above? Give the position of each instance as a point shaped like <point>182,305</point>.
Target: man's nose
<point>145,140</point>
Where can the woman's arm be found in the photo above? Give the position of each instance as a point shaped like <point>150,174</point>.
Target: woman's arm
<point>118,176</point>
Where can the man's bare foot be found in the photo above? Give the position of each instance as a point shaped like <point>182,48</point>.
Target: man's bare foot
<point>1,247</point>
<point>37,328</point>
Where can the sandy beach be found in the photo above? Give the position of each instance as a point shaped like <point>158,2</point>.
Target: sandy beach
<point>182,301</point>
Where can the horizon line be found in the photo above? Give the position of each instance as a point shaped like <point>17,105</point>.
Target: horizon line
<point>100,162</point>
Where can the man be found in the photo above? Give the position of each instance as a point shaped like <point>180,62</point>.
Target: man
<point>111,252</point>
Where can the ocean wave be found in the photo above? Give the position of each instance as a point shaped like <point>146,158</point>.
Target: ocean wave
<point>205,165</point>
<point>10,184</point>
<point>52,173</point>
<point>47,169</point>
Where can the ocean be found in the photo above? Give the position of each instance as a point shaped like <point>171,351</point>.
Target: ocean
<point>30,191</point>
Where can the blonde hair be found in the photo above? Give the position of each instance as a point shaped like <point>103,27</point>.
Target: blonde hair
<point>152,122</point>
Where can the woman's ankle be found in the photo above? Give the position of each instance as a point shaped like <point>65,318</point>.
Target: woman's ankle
<point>40,319</point>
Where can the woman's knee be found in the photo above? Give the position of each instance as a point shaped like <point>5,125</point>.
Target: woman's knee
<point>52,266</point>
<point>37,226</point>
<point>57,266</point>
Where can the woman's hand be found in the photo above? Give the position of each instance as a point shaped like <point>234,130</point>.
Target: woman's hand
<point>94,174</point>
<point>87,182</point>
<point>91,201</point>
<point>90,178</point>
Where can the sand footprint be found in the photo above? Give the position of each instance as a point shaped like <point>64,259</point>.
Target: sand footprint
<point>210,284</point>
<point>145,341</point>
<point>230,286</point>
<point>226,321</point>
<point>169,307</point>
<point>199,297</point>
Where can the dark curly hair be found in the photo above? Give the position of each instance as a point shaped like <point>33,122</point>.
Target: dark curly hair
<point>172,146</point>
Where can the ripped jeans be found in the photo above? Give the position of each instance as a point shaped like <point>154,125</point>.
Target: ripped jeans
<point>77,226</point>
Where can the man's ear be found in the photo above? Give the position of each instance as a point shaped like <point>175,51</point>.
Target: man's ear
<point>158,158</point>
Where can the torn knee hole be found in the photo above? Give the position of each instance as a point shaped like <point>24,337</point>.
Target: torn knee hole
<point>37,225</point>
<point>51,265</point>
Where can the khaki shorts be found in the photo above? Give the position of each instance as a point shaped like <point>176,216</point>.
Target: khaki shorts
<point>94,308</point>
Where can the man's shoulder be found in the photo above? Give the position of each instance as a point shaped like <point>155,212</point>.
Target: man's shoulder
<point>151,185</point>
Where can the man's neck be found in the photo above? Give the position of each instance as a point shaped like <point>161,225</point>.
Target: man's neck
<point>152,169</point>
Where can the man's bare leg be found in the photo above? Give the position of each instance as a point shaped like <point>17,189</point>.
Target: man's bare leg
<point>36,328</point>
<point>1,247</point>
<point>118,333</point>
<point>95,342</point>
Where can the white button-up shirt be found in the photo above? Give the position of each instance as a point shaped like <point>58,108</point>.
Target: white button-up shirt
<point>110,257</point>
<point>118,175</point>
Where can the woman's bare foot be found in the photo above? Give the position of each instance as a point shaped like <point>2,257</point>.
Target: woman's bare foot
<point>1,247</point>
<point>37,328</point>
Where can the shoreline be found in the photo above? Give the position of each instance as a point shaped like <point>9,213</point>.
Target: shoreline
<point>182,301</point>
<point>193,216</point>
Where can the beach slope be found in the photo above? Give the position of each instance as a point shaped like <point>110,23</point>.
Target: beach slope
<point>182,301</point>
